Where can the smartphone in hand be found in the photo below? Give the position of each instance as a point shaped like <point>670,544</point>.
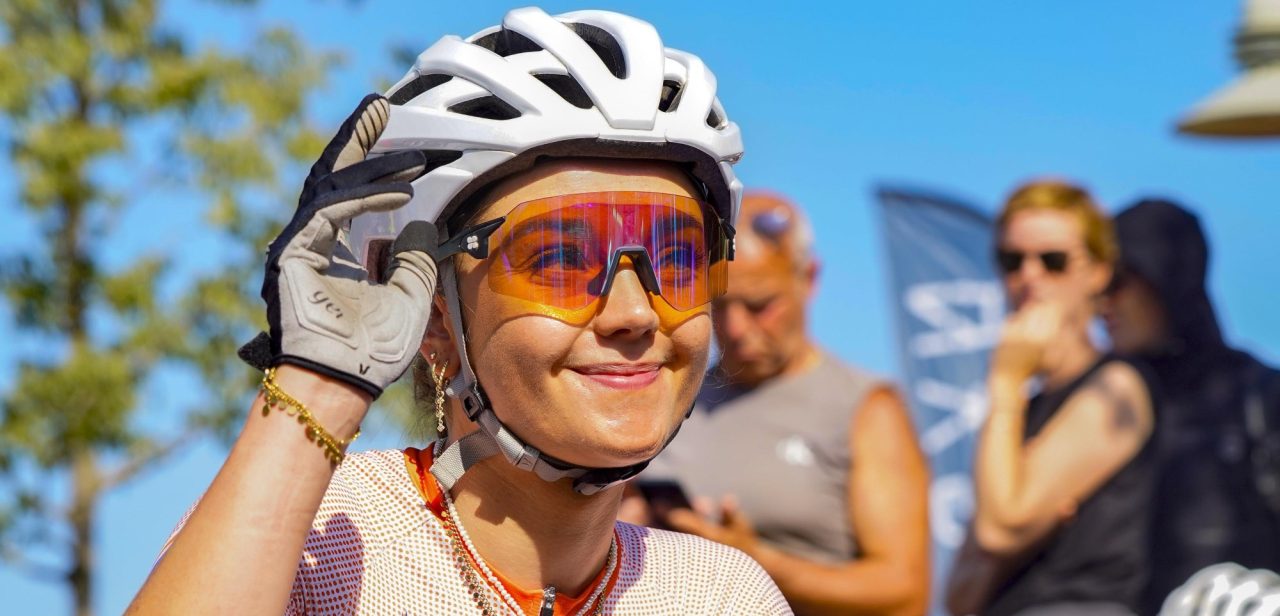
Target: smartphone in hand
<point>662,496</point>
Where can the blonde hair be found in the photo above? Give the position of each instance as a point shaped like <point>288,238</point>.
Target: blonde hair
<point>1063,196</point>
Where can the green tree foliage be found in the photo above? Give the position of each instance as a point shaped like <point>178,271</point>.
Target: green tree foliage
<point>104,108</point>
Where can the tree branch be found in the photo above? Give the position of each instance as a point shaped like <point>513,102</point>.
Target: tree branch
<point>39,571</point>
<point>146,458</point>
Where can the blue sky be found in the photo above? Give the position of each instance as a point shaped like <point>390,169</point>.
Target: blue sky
<point>966,98</point>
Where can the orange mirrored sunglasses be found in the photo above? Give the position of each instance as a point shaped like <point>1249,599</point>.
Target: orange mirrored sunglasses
<point>563,252</point>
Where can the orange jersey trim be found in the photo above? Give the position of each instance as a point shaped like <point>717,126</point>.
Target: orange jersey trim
<point>418,462</point>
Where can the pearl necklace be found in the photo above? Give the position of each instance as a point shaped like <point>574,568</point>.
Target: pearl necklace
<point>462,547</point>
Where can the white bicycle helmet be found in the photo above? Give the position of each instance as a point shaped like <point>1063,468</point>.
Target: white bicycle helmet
<point>586,83</point>
<point>1226,589</point>
<point>581,84</point>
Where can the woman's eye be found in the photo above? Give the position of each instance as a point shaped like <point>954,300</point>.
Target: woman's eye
<point>680,256</point>
<point>560,258</point>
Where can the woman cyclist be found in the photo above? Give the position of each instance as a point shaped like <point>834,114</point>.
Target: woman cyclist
<point>1062,478</point>
<point>578,175</point>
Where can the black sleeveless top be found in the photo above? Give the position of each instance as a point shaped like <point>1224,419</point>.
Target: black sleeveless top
<point>1101,555</point>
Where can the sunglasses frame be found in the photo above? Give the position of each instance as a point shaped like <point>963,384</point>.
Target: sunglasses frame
<point>474,241</point>
<point>1048,260</point>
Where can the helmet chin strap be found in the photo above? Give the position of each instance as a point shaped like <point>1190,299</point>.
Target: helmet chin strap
<point>493,437</point>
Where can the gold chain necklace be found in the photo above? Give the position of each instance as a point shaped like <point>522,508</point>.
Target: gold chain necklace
<point>462,548</point>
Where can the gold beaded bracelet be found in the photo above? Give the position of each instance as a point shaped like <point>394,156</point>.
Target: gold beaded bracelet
<point>334,449</point>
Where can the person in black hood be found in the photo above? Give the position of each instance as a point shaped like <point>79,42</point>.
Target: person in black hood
<point>1218,496</point>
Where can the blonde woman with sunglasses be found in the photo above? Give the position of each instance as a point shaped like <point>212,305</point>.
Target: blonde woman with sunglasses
<point>1063,470</point>
<point>570,181</point>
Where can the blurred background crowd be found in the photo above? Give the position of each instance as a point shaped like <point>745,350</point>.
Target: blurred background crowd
<point>998,335</point>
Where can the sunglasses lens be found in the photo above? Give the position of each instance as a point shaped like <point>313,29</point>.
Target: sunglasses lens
<point>772,224</point>
<point>549,255</point>
<point>557,251</point>
<point>1009,261</point>
<point>1054,261</point>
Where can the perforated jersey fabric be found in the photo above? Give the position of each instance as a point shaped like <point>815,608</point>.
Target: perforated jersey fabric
<point>375,548</point>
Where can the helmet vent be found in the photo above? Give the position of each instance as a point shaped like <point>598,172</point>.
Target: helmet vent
<point>604,45</point>
<point>568,88</point>
<point>715,120</point>
<point>487,107</point>
<point>420,84</point>
<point>507,43</point>
<point>671,91</point>
<point>439,158</point>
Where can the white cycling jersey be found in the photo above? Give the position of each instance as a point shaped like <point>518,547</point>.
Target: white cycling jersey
<point>376,547</point>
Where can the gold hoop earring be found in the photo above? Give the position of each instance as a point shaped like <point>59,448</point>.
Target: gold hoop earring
<point>437,376</point>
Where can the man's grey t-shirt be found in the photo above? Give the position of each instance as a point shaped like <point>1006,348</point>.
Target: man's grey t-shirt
<point>782,449</point>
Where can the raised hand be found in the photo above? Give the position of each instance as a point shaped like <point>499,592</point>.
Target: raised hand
<point>324,313</point>
<point>1025,337</point>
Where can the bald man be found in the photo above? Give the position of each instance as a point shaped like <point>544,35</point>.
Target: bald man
<point>807,464</point>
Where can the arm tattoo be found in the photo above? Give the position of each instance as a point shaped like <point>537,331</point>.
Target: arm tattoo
<point>1124,415</point>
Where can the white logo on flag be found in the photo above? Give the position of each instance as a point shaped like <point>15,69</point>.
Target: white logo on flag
<point>965,409</point>
<point>941,305</point>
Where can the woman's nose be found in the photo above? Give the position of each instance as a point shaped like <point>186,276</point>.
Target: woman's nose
<point>627,310</point>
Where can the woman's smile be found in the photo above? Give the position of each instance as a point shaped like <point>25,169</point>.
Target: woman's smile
<point>625,376</point>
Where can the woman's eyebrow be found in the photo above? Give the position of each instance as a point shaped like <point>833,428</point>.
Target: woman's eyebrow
<point>682,221</point>
<point>575,227</point>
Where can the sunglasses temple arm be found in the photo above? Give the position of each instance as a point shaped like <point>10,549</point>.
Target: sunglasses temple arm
<point>472,240</point>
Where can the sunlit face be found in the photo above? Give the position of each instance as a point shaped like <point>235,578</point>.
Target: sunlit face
<point>1135,318</point>
<point>759,321</point>
<point>1035,232</point>
<point>604,393</point>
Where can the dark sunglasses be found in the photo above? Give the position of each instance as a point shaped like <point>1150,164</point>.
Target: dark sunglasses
<point>1119,280</point>
<point>772,224</point>
<point>1010,261</point>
